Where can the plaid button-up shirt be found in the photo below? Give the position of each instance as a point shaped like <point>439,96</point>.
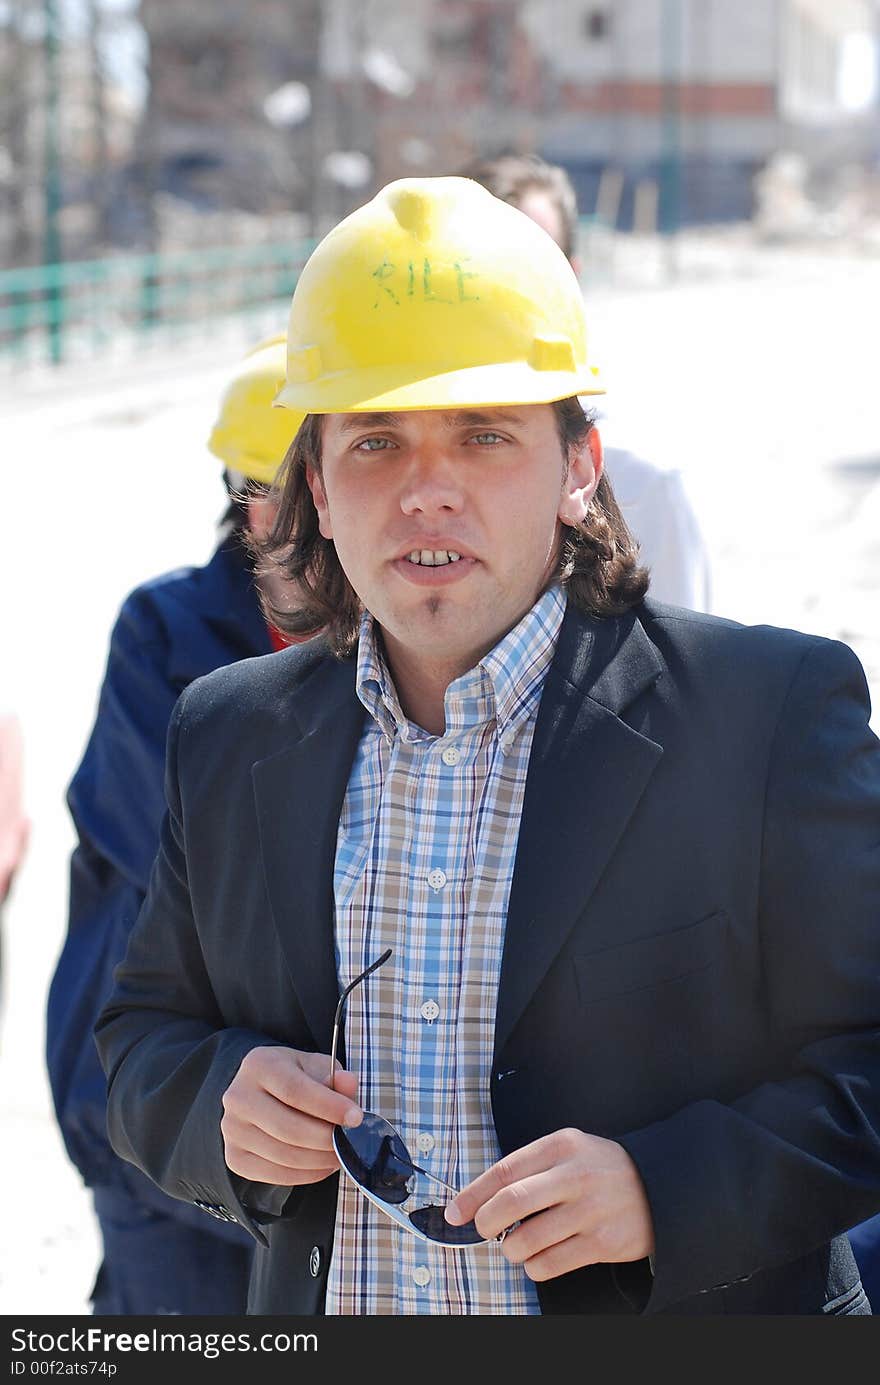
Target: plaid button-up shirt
<point>424,862</point>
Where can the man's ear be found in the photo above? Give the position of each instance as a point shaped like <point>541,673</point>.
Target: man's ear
<point>585,463</point>
<point>319,499</point>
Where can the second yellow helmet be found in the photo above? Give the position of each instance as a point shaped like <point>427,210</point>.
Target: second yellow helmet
<point>248,435</point>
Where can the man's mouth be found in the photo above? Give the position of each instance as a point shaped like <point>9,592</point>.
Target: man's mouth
<point>432,557</point>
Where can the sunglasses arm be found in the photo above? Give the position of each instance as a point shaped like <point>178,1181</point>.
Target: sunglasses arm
<point>434,1179</point>
<point>337,1021</point>
<point>332,1076</point>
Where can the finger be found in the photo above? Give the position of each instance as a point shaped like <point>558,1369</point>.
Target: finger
<point>251,1166</point>
<point>289,1154</point>
<point>561,1258</point>
<point>532,1159</point>
<point>345,1082</point>
<point>544,1229</point>
<point>297,1089</point>
<point>266,1114</point>
<point>317,1066</point>
<point>523,1199</point>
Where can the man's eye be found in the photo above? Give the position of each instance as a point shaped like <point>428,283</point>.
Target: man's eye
<point>372,445</point>
<point>487,438</point>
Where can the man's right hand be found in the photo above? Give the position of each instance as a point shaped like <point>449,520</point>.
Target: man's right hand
<point>278,1116</point>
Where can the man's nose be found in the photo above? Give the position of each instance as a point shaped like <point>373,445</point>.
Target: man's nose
<point>432,485</point>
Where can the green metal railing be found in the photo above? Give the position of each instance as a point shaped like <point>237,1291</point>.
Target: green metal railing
<point>74,311</point>
<point>81,310</point>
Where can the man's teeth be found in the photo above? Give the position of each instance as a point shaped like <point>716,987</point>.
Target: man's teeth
<point>433,557</point>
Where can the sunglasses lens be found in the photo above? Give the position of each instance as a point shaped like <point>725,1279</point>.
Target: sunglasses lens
<point>376,1157</point>
<point>432,1223</point>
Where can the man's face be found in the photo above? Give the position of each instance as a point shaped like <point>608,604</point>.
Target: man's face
<point>447,522</point>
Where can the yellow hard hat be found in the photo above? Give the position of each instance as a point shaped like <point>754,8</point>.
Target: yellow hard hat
<point>249,435</point>
<point>435,295</point>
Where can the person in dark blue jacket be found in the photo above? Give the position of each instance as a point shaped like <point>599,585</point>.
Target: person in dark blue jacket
<point>159,1255</point>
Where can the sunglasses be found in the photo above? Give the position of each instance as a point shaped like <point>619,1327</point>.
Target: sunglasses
<point>374,1156</point>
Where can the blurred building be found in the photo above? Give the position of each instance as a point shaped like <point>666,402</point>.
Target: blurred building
<point>227,125</point>
<point>270,118</point>
<point>696,94</point>
<point>21,142</point>
<point>66,129</point>
<point>309,105</point>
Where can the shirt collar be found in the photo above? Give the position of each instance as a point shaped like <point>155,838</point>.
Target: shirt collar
<point>375,688</point>
<point>504,686</point>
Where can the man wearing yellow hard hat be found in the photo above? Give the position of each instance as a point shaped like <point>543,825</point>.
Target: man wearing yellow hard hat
<point>157,1254</point>
<point>510,948</point>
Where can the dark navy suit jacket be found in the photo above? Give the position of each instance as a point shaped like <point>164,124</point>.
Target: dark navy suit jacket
<point>690,964</point>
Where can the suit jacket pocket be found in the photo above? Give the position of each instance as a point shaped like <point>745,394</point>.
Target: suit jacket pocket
<point>652,961</point>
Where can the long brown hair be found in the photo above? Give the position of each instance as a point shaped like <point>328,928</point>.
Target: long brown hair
<point>597,564</point>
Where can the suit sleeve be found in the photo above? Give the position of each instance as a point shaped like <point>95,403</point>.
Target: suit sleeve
<point>162,1042</point>
<point>766,1178</point>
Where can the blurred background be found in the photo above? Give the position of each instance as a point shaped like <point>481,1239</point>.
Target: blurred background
<point>165,170</point>
<point>149,149</point>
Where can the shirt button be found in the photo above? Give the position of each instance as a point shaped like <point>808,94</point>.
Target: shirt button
<point>450,756</point>
<point>436,878</point>
<point>421,1276</point>
<point>425,1142</point>
<point>429,1011</point>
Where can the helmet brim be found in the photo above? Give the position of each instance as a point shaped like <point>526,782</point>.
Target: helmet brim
<point>387,389</point>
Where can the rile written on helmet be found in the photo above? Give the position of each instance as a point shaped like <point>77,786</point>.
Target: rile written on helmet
<point>435,295</point>
<point>249,436</point>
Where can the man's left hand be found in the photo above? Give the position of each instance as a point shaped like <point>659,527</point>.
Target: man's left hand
<point>578,1200</point>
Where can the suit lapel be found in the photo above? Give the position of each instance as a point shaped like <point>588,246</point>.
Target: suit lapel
<point>299,795</point>
<point>587,772</point>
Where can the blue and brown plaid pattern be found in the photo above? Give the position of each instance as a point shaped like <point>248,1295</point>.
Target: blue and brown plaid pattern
<point>424,861</point>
